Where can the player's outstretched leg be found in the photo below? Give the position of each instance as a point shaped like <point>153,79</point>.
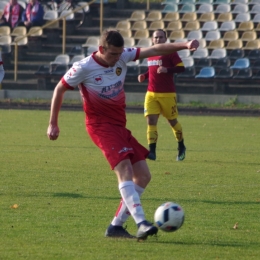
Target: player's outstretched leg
<point>145,229</point>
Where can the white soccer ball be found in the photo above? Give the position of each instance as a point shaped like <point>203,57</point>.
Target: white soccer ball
<point>169,217</point>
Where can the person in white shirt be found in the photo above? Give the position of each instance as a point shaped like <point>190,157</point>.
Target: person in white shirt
<point>100,78</point>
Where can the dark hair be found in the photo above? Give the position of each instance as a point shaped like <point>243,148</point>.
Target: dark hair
<point>111,37</point>
<point>161,30</point>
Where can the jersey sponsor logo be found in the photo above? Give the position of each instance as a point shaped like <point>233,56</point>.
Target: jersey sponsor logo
<point>125,149</point>
<point>118,71</point>
<point>130,49</point>
<point>98,79</point>
<point>111,90</point>
<point>154,63</point>
<point>108,71</point>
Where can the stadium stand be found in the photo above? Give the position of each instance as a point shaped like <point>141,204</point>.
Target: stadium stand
<point>189,72</point>
<point>184,53</point>
<point>5,30</point>
<point>129,41</point>
<point>172,26</point>
<point>123,25</point>
<point>219,53</point>
<point>241,63</point>
<point>61,59</point>
<point>225,73</point>
<point>253,55</point>
<point>201,63</point>
<point>138,25</point>
<point>212,35</point>
<point>234,44</point>
<point>222,63</point>
<point>19,31</point>
<point>139,34</point>
<point>206,72</point>
<point>144,42</point>
<point>187,8</point>
<point>200,53</point>
<point>143,66</point>
<point>137,16</point>
<point>196,34</point>
<point>236,53</point>
<point>153,16</point>
<point>188,17</point>
<point>224,17</point>
<point>177,34</point>
<point>204,8</point>
<point>170,2</point>
<point>251,45</point>
<point>188,61</point>
<point>206,17</point>
<point>243,74</point>
<point>75,59</point>
<point>170,8</point>
<point>230,36</point>
<point>156,25</point>
<point>191,26</point>
<point>216,44</point>
<point>171,16</point>
<point>222,8</point>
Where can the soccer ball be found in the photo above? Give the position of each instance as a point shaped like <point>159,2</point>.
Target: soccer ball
<point>169,217</point>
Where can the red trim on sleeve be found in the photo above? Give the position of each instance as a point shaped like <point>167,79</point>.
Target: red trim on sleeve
<point>137,54</point>
<point>66,85</point>
<point>1,63</point>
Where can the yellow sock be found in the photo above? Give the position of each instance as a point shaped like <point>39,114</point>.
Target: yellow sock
<point>177,131</point>
<point>152,134</point>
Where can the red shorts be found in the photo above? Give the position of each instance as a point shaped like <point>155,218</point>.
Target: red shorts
<point>116,143</point>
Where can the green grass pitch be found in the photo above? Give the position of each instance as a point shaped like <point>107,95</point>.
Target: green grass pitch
<point>66,194</point>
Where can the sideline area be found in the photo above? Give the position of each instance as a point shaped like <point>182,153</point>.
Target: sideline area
<point>131,97</point>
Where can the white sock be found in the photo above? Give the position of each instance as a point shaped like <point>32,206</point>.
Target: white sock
<point>122,212</point>
<point>131,199</point>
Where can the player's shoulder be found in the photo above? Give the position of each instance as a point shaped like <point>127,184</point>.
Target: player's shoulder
<point>85,63</point>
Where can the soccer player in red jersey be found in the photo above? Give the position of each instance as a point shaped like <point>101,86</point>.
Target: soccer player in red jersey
<point>160,97</point>
<point>100,78</point>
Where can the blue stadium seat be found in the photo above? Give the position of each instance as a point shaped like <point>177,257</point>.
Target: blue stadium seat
<point>206,72</point>
<point>242,63</point>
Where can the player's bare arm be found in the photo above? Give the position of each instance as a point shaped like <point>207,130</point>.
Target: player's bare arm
<point>53,129</point>
<point>167,48</point>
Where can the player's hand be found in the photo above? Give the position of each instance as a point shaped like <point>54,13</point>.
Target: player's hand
<point>162,69</point>
<point>193,45</point>
<point>53,132</point>
<point>141,77</point>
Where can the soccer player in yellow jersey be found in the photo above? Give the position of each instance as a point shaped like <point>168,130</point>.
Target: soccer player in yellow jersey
<point>160,97</point>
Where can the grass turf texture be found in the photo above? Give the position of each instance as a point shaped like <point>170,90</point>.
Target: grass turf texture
<point>67,195</point>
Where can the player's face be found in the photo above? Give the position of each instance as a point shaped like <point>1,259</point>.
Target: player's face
<point>159,37</point>
<point>111,54</point>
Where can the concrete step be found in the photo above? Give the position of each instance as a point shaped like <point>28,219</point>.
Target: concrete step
<point>23,84</point>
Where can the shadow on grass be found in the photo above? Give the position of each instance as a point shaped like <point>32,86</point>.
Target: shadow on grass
<point>209,243</point>
<point>80,196</point>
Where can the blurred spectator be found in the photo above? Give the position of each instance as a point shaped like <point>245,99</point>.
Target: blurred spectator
<point>2,71</point>
<point>33,14</point>
<point>12,14</point>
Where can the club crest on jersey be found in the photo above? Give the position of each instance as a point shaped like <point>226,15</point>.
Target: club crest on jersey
<point>118,71</point>
<point>98,79</point>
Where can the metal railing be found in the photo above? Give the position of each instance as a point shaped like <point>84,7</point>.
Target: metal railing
<point>48,24</point>
<point>63,18</point>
